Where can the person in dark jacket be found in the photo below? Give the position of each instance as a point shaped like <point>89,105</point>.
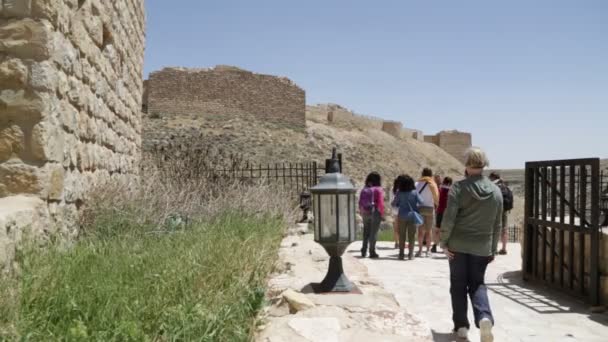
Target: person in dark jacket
<point>470,232</point>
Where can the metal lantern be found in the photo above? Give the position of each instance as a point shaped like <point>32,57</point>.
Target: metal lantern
<point>334,221</point>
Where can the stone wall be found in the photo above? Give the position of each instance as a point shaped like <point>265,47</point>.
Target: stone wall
<point>224,91</point>
<point>70,101</point>
<point>413,134</point>
<point>393,128</point>
<point>453,142</point>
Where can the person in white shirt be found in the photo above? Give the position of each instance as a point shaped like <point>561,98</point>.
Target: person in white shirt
<point>427,189</point>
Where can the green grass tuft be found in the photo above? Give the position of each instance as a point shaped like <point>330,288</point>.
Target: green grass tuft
<point>128,283</point>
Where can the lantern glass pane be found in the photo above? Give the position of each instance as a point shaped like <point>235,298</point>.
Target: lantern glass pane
<point>328,217</point>
<point>316,213</point>
<point>343,220</point>
<point>351,217</point>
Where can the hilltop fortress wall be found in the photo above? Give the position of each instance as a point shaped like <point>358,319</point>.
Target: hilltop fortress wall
<point>225,91</point>
<point>453,142</point>
<point>71,76</point>
<point>339,116</point>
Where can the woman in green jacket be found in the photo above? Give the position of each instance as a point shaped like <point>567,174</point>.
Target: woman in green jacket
<point>470,232</point>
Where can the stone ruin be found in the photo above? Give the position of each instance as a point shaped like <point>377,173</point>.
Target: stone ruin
<point>225,91</point>
<point>453,142</point>
<point>70,109</point>
<point>337,115</point>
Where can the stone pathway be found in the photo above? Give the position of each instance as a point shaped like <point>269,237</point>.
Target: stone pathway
<point>522,312</point>
<point>374,315</point>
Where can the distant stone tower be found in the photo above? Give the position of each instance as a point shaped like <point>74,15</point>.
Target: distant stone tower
<point>393,128</point>
<point>453,142</point>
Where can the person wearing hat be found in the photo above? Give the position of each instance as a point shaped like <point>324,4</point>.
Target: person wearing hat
<point>470,232</point>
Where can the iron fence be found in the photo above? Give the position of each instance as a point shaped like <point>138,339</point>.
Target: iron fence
<point>513,233</point>
<point>294,176</point>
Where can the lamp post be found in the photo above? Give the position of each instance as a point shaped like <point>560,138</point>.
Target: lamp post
<point>334,222</point>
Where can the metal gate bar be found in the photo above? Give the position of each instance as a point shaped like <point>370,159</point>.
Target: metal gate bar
<point>553,190</point>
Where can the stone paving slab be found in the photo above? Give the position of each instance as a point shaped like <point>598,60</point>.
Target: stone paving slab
<point>523,312</point>
<point>372,316</point>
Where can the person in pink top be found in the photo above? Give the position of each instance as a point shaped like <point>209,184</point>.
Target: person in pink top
<point>371,207</point>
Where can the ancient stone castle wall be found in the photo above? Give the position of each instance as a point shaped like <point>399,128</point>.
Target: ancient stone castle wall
<point>393,128</point>
<point>413,134</point>
<point>70,101</point>
<point>225,91</point>
<point>453,142</point>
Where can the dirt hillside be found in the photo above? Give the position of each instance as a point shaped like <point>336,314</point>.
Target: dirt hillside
<point>363,149</point>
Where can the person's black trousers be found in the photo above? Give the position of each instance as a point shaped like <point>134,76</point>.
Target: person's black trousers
<point>467,273</point>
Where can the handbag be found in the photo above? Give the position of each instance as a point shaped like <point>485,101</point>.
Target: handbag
<point>413,216</point>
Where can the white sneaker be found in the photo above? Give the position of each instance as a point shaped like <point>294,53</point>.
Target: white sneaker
<point>462,333</point>
<point>485,330</point>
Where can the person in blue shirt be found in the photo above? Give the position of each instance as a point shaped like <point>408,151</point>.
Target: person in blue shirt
<point>407,200</point>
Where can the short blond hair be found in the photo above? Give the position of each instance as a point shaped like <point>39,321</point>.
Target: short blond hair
<point>476,158</point>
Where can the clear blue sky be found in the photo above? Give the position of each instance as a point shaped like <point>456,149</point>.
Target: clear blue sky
<point>528,78</point>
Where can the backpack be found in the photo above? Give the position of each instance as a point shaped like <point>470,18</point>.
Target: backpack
<point>507,196</point>
<point>367,199</point>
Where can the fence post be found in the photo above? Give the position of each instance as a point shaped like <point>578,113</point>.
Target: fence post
<point>594,270</point>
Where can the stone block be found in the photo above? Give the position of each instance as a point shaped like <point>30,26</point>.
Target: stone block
<point>12,142</point>
<point>16,8</point>
<point>46,9</point>
<point>74,189</point>
<point>13,73</point>
<point>94,26</point>
<point>26,39</point>
<point>43,77</point>
<point>66,55</point>
<point>68,116</point>
<point>19,178</point>
<point>297,301</point>
<point>48,142</point>
<point>19,105</point>
<point>19,216</point>
<point>70,155</point>
<point>54,181</point>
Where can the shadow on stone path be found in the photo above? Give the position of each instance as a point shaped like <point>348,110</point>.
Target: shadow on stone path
<point>523,311</point>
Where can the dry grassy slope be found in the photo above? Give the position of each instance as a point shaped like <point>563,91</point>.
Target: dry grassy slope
<point>363,150</point>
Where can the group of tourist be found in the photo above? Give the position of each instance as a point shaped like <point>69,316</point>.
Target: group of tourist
<point>465,218</point>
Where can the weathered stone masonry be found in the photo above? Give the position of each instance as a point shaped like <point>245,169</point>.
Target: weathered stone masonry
<point>453,142</point>
<point>225,91</point>
<point>70,101</point>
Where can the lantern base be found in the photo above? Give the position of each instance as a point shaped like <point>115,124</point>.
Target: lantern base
<point>335,280</point>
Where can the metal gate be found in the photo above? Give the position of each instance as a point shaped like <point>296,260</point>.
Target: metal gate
<point>562,228</point>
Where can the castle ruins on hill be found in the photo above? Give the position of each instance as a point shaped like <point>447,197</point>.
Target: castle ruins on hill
<point>228,91</point>
<point>453,142</point>
<point>225,91</point>
<point>71,108</point>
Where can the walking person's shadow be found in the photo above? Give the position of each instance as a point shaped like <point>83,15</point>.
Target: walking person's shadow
<point>445,337</point>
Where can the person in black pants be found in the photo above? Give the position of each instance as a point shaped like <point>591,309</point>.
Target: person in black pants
<point>470,232</point>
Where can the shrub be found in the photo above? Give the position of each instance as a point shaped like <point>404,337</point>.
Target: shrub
<point>175,259</point>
